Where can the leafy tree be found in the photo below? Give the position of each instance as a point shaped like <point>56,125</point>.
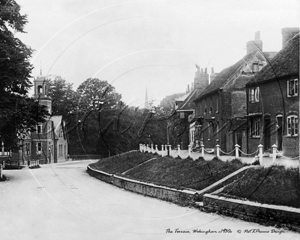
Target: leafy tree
<point>17,111</point>
<point>63,96</point>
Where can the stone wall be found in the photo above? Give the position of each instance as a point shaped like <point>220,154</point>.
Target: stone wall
<point>181,197</point>
<point>255,212</point>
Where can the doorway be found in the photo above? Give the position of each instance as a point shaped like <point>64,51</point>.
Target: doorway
<point>279,120</point>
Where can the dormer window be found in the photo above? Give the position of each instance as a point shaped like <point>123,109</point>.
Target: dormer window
<point>254,95</point>
<point>255,67</point>
<point>292,88</point>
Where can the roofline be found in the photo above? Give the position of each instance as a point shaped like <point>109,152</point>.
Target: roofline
<point>207,94</point>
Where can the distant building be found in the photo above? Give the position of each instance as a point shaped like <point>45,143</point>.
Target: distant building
<point>185,106</point>
<point>49,142</point>
<point>273,100</point>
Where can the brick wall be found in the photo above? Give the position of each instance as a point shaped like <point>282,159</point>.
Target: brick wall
<point>182,197</point>
<point>255,212</point>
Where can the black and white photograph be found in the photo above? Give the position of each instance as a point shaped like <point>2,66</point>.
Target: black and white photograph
<point>149,119</point>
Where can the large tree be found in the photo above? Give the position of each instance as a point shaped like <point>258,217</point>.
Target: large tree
<point>18,112</point>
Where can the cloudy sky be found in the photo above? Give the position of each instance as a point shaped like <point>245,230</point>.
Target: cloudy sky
<point>151,44</point>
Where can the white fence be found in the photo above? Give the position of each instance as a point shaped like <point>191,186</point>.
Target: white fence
<point>201,151</point>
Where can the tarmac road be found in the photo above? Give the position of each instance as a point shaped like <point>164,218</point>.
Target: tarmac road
<point>61,201</point>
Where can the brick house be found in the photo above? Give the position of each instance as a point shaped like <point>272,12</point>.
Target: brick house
<point>273,100</point>
<point>185,106</point>
<point>221,107</point>
<point>48,143</point>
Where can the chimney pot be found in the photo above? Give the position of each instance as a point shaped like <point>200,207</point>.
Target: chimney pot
<point>212,70</point>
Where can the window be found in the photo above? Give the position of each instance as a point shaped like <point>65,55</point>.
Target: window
<point>292,88</point>
<point>292,125</point>
<point>255,127</point>
<point>255,67</point>
<point>39,128</point>
<point>27,149</point>
<point>60,133</point>
<point>254,95</point>
<point>40,89</point>
<point>39,148</point>
<point>60,149</point>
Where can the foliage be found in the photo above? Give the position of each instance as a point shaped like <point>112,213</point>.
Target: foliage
<point>63,96</point>
<point>18,113</point>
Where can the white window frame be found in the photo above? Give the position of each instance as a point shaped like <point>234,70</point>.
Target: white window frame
<point>254,95</point>
<point>255,128</point>
<point>39,147</point>
<point>292,87</point>
<point>292,126</point>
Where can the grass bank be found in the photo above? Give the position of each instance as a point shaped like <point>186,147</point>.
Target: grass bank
<point>167,171</point>
<point>273,185</point>
<point>120,163</point>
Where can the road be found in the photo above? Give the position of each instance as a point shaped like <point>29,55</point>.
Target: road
<point>61,201</point>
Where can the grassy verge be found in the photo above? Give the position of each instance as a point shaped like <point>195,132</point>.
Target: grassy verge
<point>119,164</point>
<point>167,171</point>
<point>274,185</point>
<point>184,173</point>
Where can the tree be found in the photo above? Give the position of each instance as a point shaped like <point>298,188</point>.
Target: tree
<point>17,111</point>
<point>63,96</point>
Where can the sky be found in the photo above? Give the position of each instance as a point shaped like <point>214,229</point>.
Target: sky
<point>148,44</point>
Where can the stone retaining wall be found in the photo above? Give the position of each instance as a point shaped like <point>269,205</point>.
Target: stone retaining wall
<point>254,212</point>
<point>181,197</point>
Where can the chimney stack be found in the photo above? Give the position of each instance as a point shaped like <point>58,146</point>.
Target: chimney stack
<point>288,34</point>
<point>255,45</point>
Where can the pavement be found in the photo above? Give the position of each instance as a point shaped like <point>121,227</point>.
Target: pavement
<point>62,202</point>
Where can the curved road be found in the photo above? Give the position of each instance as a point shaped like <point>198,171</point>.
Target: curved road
<point>61,201</point>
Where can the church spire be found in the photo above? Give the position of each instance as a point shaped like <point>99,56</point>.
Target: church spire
<point>146,100</point>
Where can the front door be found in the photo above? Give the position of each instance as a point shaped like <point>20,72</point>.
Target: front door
<point>267,134</point>
<point>279,132</point>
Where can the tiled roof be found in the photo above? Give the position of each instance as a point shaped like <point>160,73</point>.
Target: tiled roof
<point>188,104</point>
<point>285,63</point>
<point>222,78</point>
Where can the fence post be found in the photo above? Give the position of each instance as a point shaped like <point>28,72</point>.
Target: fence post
<point>274,147</point>
<point>156,149</point>
<point>236,150</point>
<point>190,149</point>
<point>178,153</point>
<point>140,147</point>
<point>162,150</point>
<point>218,150</point>
<point>169,150</point>
<point>260,153</point>
<point>2,148</point>
<point>202,150</point>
